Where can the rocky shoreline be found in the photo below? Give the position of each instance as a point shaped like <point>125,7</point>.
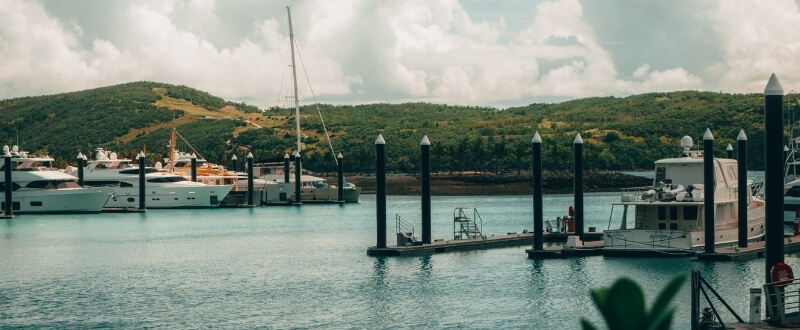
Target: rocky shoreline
<point>473,185</point>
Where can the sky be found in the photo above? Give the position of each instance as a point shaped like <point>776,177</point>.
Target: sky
<point>499,53</point>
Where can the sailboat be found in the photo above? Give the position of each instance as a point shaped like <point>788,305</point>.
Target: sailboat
<point>313,189</point>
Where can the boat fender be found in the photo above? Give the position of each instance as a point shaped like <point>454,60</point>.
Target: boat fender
<point>648,194</point>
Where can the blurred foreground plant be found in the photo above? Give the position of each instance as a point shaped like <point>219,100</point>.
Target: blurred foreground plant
<point>623,306</point>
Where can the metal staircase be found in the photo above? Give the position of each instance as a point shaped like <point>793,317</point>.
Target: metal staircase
<point>465,227</point>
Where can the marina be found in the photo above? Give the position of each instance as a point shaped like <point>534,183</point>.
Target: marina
<point>281,268</point>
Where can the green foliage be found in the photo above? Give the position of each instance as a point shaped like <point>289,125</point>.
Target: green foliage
<point>65,124</point>
<point>623,306</point>
<point>619,133</point>
<point>196,97</point>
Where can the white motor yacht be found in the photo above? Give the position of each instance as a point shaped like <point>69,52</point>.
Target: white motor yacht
<point>668,218</point>
<point>163,189</point>
<point>39,188</point>
<point>312,188</point>
<point>791,184</point>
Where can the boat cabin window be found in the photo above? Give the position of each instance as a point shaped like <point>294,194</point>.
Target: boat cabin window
<point>794,191</point>
<point>661,174</point>
<point>662,213</point>
<point>136,171</point>
<point>14,186</point>
<point>690,213</point>
<point>673,213</point>
<point>101,183</point>
<point>169,179</point>
<point>52,184</point>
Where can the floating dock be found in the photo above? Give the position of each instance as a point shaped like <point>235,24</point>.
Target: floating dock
<point>752,251</point>
<point>474,243</point>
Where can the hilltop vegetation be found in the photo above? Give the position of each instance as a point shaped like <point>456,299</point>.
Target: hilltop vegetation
<point>619,133</point>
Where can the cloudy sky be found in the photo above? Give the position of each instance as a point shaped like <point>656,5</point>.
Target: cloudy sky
<point>472,52</point>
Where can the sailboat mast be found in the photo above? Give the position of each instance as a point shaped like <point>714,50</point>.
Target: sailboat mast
<point>294,80</point>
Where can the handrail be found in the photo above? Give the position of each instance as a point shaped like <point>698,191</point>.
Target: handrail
<point>697,287</point>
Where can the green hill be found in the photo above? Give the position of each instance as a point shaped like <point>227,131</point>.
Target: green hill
<point>619,133</point>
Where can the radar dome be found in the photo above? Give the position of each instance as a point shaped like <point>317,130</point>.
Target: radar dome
<point>686,142</point>
<point>113,156</point>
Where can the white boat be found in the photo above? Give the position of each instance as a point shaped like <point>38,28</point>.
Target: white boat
<point>39,188</point>
<point>313,189</point>
<point>669,216</point>
<point>791,184</point>
<point>163,189</point>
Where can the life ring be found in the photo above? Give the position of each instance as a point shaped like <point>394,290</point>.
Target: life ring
<point>781,273</point>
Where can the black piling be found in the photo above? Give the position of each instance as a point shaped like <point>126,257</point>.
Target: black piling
<point>297,173</point>
<point>81,165</point>
<point>709,181</point>
<point>194,168</point>
<point>578,197</point>
<point>234,163</point>
<point>9,210</point>
<point>250,179</point>
<point>743,188</point>
<point>141,181</point>
<point>425,149</point>
<point>729,151</point>
<point>286,168</point>
<point>538,225</point>
<point>380,191</point>
<point>773,174</point>
<point>340,167</point>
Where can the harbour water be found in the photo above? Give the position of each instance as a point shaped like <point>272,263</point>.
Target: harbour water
<point>306,267</point>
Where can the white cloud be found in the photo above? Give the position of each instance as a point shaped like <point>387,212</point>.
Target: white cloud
<point>359,51</point>
<point>760,38</point>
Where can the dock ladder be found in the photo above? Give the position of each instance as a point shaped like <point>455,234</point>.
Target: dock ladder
<point>405,232</point>
<point>465,227</point>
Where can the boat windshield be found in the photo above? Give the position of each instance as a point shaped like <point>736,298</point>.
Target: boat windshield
<point>52,184</point>
<point>169,179</point>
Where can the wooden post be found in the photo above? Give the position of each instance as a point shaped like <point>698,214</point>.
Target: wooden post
<point>380,182</point>
<point>773,174</point>
<point>538,225</point>
<point>81,164</point>
<point>340,166</point>
<point>9,210</point>
<point>286,168</point>
<point>744,190</point>
<point>709,183</point>
<point>578,197</point>
<point>141,181</point>
<point>194,168</point>
<point>425,149</point>
<point>250,179</point>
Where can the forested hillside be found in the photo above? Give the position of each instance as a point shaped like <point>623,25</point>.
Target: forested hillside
<point>619,133</point>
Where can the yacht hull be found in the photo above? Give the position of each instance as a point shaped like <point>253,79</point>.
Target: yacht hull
<point>170,198</point>
<point>59,201</point>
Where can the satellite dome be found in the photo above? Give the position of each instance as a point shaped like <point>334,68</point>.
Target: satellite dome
<point>686,142</point>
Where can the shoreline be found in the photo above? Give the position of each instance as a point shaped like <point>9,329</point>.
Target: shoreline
<point>487,184</point>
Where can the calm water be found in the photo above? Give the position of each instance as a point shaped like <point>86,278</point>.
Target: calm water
<point>306,267</point>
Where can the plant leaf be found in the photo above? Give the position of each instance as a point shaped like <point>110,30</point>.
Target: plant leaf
<point>625,305</point>
<point>664,297</point>
<point>586,325</point>
<point>599,296</point>
<point>662,321</point>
